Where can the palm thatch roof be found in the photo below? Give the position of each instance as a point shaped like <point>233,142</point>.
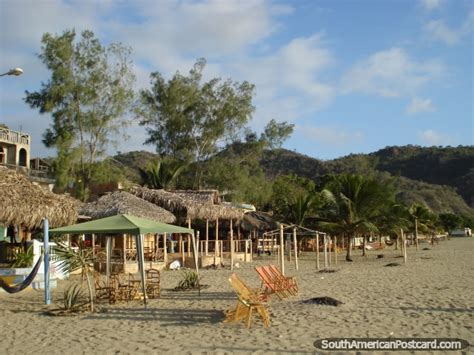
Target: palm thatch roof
<point>121,202</point>
<point>200,196</point>
<point>25,203</point>
<point>185,206</point>
<point>258,220</point>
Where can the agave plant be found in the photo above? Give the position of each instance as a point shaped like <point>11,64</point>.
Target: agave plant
<point>71,260</point>
<point>72,296</point>
<point>190,281</point>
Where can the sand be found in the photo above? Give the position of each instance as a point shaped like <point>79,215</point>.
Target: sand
<point>431,296</point>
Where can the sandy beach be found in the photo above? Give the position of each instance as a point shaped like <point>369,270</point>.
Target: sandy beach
<point>430,296</point>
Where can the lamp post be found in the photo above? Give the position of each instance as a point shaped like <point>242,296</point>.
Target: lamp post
<point>15,71</point>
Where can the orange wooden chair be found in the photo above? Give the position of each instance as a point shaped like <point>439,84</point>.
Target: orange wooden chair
<point>290,281</point>
<point>273,283</point>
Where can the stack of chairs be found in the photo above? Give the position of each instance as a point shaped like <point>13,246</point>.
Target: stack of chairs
<point>152,283</point>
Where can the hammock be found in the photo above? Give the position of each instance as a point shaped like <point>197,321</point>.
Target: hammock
<point>26,282</point>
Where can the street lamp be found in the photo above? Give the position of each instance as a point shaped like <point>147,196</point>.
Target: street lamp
<point>15,71</point>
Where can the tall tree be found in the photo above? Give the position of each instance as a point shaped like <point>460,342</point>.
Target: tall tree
<point>88,94</point>
<point>188,119</point>
<point>276,133</point>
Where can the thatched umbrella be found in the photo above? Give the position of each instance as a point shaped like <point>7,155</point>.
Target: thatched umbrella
<point>121,202</point>
<point>258,220</point>
<point>25,203</point>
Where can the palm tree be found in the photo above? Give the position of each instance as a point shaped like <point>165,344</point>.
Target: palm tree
<point>162,174</point>
<point>423,217</point>
<point>353,204</point>
<point>71,260</point>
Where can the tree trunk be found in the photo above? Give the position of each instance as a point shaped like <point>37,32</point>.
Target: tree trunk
<point>349,248</point>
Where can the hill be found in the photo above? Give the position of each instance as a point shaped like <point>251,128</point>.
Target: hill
<point>441,178</point>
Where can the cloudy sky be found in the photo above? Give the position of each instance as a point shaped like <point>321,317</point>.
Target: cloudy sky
<point>352,75</point>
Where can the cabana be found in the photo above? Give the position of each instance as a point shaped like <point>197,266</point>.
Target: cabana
<point>125,224</point>
<point>121,202</point>
<point>189,205</point>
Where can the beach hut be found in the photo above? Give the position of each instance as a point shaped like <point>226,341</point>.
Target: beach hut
<point>125,224</point>
<point>24,205</point>
<point>188,205</point>
<point>121,202</point>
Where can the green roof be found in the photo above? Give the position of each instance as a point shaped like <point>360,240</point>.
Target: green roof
<point>121,224</point>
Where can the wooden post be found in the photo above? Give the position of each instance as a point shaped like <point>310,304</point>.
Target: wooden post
<point>246,250</point>
<point>251,250</point>
<point>198,249</point>
<point>404,246</point>
<point>222,250</point>
<point>189,239</point>
<point>165,251</point>
<point>296,248</point>
<point>282,251</point>
<point>217,236</point>
<point>317,251</point>
<point>180,240</point>
<point>207,237</point>
<point>329,250</point>
<point>416,233</point>
<point>325,251</point>
<point>93,246</point>
<point>124,251</point>
<point>181,247</point>
<point>288,242</point>
<point>335,250</point>
<point>231,246</point>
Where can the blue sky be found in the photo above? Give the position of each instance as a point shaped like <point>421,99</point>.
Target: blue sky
<point>353,76</point>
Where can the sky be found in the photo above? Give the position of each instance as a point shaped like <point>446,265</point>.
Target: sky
<point>353,76</point>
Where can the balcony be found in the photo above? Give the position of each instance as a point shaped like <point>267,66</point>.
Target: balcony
<point>13,137</point>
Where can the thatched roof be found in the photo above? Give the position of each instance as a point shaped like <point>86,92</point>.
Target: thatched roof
<point>258,220</point>
<point>121,202</point>
<point>25,203</point>
<point>182,205</point>
<point>200,196</point>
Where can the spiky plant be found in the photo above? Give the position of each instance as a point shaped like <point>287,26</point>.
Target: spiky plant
<point>71,260</point>
<point>72,296</point>
<point>190,281</point>
<point>23,259</point>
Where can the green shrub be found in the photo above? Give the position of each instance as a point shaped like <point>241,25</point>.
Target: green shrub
<point>23,259</point>
<point>190,281</point>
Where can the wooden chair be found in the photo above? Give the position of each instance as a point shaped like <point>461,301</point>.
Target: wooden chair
<point>152,283</point>
<point>290,281</point>
<point>273,284</point>
<point>102,291</point>
<point>248,302</point>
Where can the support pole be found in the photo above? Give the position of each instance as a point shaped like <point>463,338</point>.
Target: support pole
<point>124,256</point>
<point>404,246</point>
<point>181,247</point>
<point>217,236</point>
<point>93,246</point>
<point>165,251</point>
<point>231,246</point>
<point>329,250</point>
<point>317,251</point>
<point>246,250</point>
<point>288,240</point>
<point>108,254</point>
<point>206,250</point>
<point>47,290</point>
<point>296,248</point>
<point>141,264</point>
<point>335,250</point>
<point>282,251</point>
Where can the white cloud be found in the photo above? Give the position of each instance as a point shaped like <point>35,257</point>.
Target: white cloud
<point>439,31</point>
<point>431,4</point>
<point>419,105</point>
<point>330,135</point>
<point>289,80</point>
<point>391,73</point>
<point>431,137</point>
